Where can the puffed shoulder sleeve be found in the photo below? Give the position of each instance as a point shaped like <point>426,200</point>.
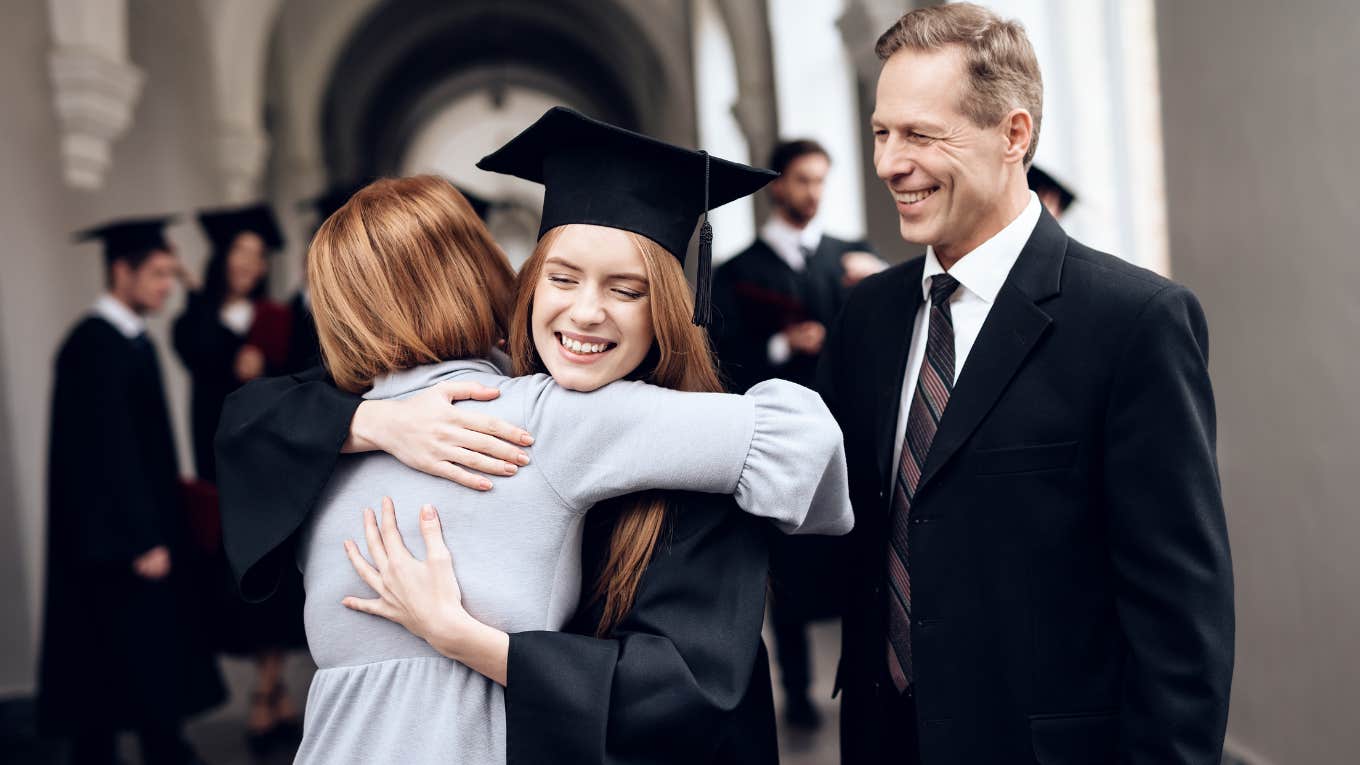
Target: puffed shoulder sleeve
<point>795,472</point>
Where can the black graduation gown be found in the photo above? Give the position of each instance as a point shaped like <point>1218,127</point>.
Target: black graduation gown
<point>118,651</point>
<point>757,295</point>
<point>684,678</point>
<point>304,349</point>
<point>209,348</point>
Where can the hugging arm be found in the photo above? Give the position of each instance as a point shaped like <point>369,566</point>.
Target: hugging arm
<point>278,442</point>
<point>776,449</point>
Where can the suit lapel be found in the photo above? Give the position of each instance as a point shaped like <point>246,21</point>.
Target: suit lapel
<point>893,344</point>
<point>1012,329</point>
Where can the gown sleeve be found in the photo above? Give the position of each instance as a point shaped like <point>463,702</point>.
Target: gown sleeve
<point>681,678</point>
<point>776,449</point>
<point>277,444</point>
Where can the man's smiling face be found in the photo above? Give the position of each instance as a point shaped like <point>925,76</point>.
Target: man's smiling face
<point>948,177</point>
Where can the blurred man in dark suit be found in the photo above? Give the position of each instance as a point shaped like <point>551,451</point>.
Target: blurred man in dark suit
<point>775,301</point>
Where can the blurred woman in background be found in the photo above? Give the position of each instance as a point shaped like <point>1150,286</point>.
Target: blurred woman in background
<point>229,334</point>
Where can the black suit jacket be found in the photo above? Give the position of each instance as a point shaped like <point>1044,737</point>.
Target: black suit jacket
<point>758,295</point>
<point>1071,581</point>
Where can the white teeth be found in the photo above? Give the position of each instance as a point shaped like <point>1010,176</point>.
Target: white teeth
<point>579,347</point>
<point>912,197</point>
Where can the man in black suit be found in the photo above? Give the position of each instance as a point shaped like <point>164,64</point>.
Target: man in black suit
<point>775,300</point>
<point>1040,567</point>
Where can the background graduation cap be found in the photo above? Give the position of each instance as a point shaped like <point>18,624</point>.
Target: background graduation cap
<point>596,173</point>
<point>129,237</point>
<point>223,226</point>
<point>330,200</point>
<point>1040,180</point>
<point>335,197</point>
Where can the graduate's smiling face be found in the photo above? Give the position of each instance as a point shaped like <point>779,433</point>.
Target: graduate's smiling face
<point>592,315</point>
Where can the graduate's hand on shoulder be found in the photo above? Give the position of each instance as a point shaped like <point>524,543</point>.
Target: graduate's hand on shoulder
<point>427,433</point>
<point>154,564</point>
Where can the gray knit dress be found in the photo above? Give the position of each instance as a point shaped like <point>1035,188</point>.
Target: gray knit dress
<point>382,695</point>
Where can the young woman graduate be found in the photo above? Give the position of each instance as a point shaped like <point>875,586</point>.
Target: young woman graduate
<point>229,334</point>
<point>677,670</point>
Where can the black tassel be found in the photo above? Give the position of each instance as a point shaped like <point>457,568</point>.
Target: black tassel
<point>703,278</point>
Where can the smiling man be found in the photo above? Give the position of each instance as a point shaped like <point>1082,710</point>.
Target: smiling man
<point>1040,567</point>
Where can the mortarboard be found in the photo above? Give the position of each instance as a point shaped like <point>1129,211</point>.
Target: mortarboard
<point>129,236</point>
<point>596,173</point>
<point>1040,179</point>
<point>223,226</point>
<point>329,201</point>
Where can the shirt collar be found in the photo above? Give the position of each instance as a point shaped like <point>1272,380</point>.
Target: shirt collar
<point>123,319</point>
<point>788,242</point>
<point>983,270</point>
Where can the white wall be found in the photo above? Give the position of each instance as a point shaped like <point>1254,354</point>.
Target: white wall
<point>1101,125</point>
<point>715,76</point>
<point>161,165</point>
<point>815,85</point>
<point>1260,105</point>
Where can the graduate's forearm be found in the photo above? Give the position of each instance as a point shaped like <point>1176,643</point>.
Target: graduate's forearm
<point>479,647</point>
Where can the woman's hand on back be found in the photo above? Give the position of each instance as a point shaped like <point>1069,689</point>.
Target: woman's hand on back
<point>423,595</point>
<point>427,433</point>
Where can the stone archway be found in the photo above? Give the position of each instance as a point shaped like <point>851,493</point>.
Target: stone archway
<point>409,58</point>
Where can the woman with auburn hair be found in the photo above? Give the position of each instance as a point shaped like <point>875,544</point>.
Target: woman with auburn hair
<point>407,290</point>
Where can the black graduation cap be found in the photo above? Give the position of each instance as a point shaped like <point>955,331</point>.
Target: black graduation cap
<point>330,200</point>
<point>596,173</point>
<point>479,205</point>
<point>223,226</point>
<point>129,236</point>
<point>1040,180</point>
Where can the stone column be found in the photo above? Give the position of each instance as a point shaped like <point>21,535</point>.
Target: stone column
<point>94,86</point>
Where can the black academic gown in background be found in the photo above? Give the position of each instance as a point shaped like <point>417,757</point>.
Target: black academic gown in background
<point>118,651</point>
<point>208,349</point>
<point>684,677</point>
<point>304,349</point>
<point>757,295</point>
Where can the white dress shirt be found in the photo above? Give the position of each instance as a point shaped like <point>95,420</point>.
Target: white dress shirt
<point>980,274</point>
<point>791,244</point>
<point>238,317</point>
<point>123,319</point>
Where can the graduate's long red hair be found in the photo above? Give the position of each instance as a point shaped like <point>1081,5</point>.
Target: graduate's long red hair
<point>680,359</point>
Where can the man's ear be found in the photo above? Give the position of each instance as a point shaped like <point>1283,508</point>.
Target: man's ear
<point>120,273</point>
<point>1019,133</point>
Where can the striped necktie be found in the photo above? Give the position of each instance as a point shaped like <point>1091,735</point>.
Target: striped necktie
<point>933,388</point>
